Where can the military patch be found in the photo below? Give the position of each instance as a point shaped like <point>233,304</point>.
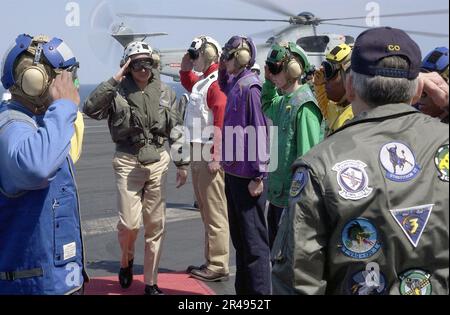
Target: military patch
<point>441,162</point>
<point>367,282</point>
<point>359,239</point>
<point>352,179</point>
<point>415,282</point>
<point>299,182</point>
<point>399,162</point>
<point>413,221</point>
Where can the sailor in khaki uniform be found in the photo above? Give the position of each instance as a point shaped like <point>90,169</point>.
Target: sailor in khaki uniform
<point>368,212</point>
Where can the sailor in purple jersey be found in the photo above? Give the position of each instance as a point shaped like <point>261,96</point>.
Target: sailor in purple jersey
<point>245,165</point>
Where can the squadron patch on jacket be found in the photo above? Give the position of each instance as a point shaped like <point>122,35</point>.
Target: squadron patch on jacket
<point>415,282</point>
<point>367,282</point>
<point>399,162</point>
<point>299,182</point>
<point>413,221</point>
<point>352,179</point>
<point>441,162</point>
<point>359,239</point>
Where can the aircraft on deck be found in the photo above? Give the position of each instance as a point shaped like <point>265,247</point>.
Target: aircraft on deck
<point>302,29</point>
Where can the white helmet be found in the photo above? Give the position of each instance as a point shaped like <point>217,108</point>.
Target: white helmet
<point>256,67</point>
<point>135,48</point>
<point>198,45</point>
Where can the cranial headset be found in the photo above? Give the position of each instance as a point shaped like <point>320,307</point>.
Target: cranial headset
<point>50,56</point>
<point>337,60</point>
<point>242,49</point>
<point>282,57</point>
<point>205,46</point>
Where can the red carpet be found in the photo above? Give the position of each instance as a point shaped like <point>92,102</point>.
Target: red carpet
<point>169,283</point>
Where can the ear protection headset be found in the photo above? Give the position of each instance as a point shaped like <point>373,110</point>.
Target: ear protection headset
<point>292,67</point>
<point>208,50</point>
<point>242,55</point>
<point>291,64</point>
<point>206,46</point>
<point>40,68</point>
<point>34,80</point>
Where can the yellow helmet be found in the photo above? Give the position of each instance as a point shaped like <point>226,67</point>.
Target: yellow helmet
<point>339,58</point>
<point>339,53</point>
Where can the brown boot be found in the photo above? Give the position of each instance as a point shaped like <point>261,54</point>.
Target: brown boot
<point>208,275</point>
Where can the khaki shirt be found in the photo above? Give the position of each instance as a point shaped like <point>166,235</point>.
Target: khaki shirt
<point>369,210</point>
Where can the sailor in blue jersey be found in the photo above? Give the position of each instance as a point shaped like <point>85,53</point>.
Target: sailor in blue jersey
<point>41,248</point>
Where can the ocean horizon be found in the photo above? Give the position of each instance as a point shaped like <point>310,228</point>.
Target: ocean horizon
<point>86,89</point>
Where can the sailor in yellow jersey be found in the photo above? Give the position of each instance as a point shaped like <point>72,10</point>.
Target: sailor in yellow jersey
<point>329,84</point>
<point>76,142</point>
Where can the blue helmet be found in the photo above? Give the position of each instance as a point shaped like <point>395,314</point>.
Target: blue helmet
<point>54,52</point>
<point>436,60</point>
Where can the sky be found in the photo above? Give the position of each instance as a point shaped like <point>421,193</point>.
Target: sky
<point>84,24</point>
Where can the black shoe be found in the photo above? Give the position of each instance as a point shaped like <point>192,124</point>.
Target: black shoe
<point>192,267</point>
<point>126,275</point>
<point>153,290</point>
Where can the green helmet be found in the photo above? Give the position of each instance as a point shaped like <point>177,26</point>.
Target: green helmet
<point>280,52</point>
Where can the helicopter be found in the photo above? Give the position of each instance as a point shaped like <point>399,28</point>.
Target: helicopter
<point>302,28</point>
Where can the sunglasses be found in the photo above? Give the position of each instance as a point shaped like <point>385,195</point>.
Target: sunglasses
<point>274,68</point>
<point>141,64</point>
<point>330,69</point>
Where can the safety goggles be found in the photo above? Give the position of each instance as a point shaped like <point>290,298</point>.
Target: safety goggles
<point>227,55</point>
<point>193,54</point>
<point>140,64</point>
<point>73,70</point>
<point>274,68</point>
<point>330,69</point>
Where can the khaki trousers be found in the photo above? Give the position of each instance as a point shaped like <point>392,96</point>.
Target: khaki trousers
<point>210,193</point>
<point>141,194</point>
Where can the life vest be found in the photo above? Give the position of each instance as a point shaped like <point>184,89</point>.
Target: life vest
<point>198,115</point>
<point>41,248</point>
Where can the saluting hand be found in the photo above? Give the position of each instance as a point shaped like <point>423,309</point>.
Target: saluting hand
<point>62,87</point>
<point>186,63</point>
<point>319,76</point>
<point>435,87</point>
<point>122,72</point>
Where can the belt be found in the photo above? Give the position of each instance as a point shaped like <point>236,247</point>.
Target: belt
<point>23,274</point>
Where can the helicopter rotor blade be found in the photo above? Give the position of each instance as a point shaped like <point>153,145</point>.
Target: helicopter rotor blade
<point>431,34</point>
<point>181,17</point>
<point>269,6</point>
<point>406,14</point>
